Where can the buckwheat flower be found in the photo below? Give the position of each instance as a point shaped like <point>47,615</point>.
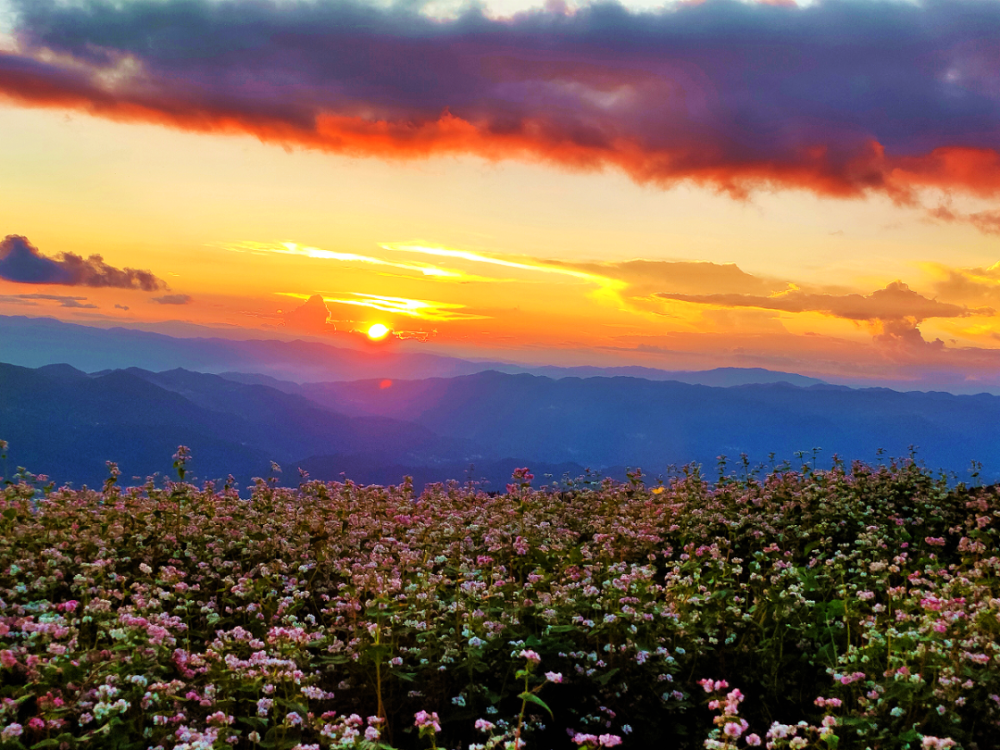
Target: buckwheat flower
<point>372,734</point>
<point>585,739</point>
<point>422,720</point>
<point>732,729</point>
<point>530,655</point>
<point>11,731</point>
<point>609,740</point>
<point>254,737</point>
<point>753,740</point>
<point>263,706</point>
<point>294,719</point>
<point>554,676</point>
<point>484,726</point>
<point>36,723</point>
<point>7,659</point>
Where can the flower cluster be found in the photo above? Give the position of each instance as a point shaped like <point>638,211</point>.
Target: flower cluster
<point>851,607</point>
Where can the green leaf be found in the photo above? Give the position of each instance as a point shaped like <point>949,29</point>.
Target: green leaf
<point>603,679</point>
<point>532,698</point>
<point>10,513</point>
<point>51,742</point>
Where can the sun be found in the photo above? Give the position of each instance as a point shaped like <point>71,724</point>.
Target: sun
<point>378,332</point>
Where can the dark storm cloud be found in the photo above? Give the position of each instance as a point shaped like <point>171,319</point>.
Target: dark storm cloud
<point>22,262</point>
<point>841,98</point>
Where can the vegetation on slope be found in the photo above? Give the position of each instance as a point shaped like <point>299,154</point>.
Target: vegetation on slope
<point>851,608</point>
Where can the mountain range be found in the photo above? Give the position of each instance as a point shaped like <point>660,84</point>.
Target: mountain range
<point>34,342</point>
<point>66,423</point>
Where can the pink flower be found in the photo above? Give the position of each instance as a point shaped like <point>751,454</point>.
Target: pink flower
<point>609,740</point>
<point>530,655</point>
<point>554,676</point>
<point>424,720</point>
<point>732,729</point>
<point>753,740</point>
<point>11,731</point>
<point>36,723</point>
<point>7,659</point>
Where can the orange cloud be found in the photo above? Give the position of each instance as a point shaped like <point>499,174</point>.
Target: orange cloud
<point>412,308</point>
<point>896,302</point>
<point>861,169</point>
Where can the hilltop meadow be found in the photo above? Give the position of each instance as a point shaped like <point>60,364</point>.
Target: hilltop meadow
<point>850,607</point>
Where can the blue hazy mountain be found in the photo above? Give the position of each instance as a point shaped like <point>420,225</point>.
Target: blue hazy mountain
<point>63,422</point>
<point>631,421</point>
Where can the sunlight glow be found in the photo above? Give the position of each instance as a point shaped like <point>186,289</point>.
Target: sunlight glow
<point>378,332</point>
<point>292,248</point>
<point>608,288</point>
<point>413,308</point>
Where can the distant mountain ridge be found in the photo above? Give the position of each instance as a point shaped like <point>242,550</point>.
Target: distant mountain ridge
<point>67,424</point>
<point>35,342</point>
<point>63,422</point>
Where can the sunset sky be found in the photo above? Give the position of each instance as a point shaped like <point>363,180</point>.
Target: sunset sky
<point>811,188</point>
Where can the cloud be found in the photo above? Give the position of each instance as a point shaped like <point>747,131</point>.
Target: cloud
<point>838,98</point>
<point>29,299</point>
<point>687,277</point>
<point>311,315</point>
<point>895,303</point>
<point>121,307</point>
<point>969,285</point>
<point>173,299</point>
<point>22,262</point>
<point>292,248</point>
<point>987,222</point>
<point>411,308</point>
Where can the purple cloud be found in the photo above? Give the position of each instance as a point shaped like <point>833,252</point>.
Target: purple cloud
<point>173,299</point>
<point>896,302</point>
<point>22,262</point>
<point>840,98</point>
<point>64,301</point>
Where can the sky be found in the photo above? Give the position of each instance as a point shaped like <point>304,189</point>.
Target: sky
<point>807,187</point>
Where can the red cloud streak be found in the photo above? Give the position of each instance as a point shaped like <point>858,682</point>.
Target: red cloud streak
<point>811,99</point>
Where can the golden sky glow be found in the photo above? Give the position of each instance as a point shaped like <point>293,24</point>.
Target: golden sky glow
<point>518,261</point>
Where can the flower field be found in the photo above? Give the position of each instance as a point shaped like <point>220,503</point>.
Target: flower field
<point>846,608</point>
